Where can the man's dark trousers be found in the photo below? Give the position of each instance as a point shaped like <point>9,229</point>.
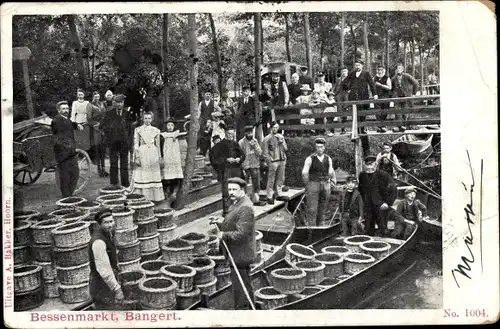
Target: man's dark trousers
<point>119,149</point>
<point>68,175</point>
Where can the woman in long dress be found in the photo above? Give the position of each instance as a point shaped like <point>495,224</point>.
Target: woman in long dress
<point>148,160</point>
<point>171,173</point>
<point>80,109</point>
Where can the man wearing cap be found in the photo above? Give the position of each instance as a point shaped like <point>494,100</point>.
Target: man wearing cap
<point>206,107</point>
<point>238,231</point>
<point>341,92</point>
<point>404,85</point>
<point>104,287</point>
<point>322,86</point>
<point>357,82</point>
<point>384,87</point>
<point>318,174</point>
<point>227,157</point>
<point>274,152</point>
<point>117,128</point>
<point>279,93</point>
<point>245,113</point>
<point>305,79</point>
<point>251,165</point>
<point>388,161</point>
<point>379,192</point>
<point>411,209</point>
<point>352,209</point>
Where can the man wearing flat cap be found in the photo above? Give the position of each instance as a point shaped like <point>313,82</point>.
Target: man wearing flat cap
<point>238,231</point>
<point>379,192</point>
<point>410,209</point>
<point>117,128</point>
<point>251,165</point>
<point>318,175</point>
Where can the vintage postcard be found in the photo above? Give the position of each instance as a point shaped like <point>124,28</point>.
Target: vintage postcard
<point>181,164</point>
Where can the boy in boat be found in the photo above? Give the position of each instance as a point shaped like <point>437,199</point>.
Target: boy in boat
<point>388,161</point>
<point>352,209</point>
<point>410,209</point>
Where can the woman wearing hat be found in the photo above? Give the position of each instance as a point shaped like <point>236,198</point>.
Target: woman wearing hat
<point>217,126</point>
<point>322,86</point>
<point>305,98</point>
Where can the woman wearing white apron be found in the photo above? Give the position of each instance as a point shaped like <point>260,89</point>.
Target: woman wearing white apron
<point>80,109</point>
<point>171,173</point>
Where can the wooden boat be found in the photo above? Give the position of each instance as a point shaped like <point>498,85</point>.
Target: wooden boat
<point>410,145</point>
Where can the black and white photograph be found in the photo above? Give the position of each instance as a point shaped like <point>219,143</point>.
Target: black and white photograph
<point>232,160</point>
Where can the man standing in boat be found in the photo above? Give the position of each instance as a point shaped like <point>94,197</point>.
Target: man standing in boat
<point>105,289</point>
<point>352,209</point>
<point>238,231</point>
<point>251,165</point>
<point>388,161</point>
<point>274,152</point>
<point>318,174</point>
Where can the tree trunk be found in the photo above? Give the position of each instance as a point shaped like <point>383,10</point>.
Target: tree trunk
<point>261,40</point>
<point>321,50</point>
<point>387,54</point>
<point>355,43</point>
<point>195,114</point>
<point>258,63</point>
<point>307,37</point>
<point>421,56</point>
<point>287,39</point>
<point>77,46</point>
<point>365,42</point>
<point>413,58</point>
<point>405,54</point>
<point>216,52</point>
<point>164,54</point>
<point>342,39</point>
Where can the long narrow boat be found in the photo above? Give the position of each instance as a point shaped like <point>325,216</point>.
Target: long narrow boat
<point>410,145</point>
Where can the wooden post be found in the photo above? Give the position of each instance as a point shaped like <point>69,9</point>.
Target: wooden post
<point>358,148</point>
<point>257,67</point>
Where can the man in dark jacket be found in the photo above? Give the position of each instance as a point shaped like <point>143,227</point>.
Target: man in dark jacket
<point>65,149</point>
<point>403,85</point>
<point>105,289</point>
<point>379,192</point>
<point>305,79</point>
<point>341,93</point>
<point>245,113</point>
<point>352,209</point>
<point>238,231</point>
<point>206,108</point>
<point>117,128</point>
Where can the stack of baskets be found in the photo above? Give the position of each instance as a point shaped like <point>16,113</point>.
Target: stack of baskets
<point>147,229</point>
<point>28,287</point>
<point>203,174</point>
<point>126,240</point>
<point>166,225</point>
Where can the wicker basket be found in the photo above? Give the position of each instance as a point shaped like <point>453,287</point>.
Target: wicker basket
<point>221,263</point>
<point>70,202</point>
<point>356,262</point>
<point>28,300</point>
<point>152,268</point>
<point>42,231</point>
<point>110,197</point>
<point>43,252</point>
<point>124,218</point>
<point>27,278</point>
<point>183,275</point>
<point>71,294</point>
<point>204,267</point>
<point>134,198</point>
<point>167,234</point>
<point>354,242</point>
<point>258,240</point>
<point>288,280</point>
<point>73,274</point>
<point>223,279</point>
<point>148,228</point>
<point>177,252</point>
<point>315,271</point>
<point>25,214</point>
<point>270,298</point>
<point>71,235</point>
<point>74,256</point>
<point>112,204</point>
<point>144,210</point>
<point>213,243</point>
<point>338,250</point>
<point>51,289</point>
<point>308,291</point>
<point>131,265</point>
<point>186,299</point>
<point>208,288</point>
<point>199,242</point>
<point>130,283</point>
<point>75,216</point>
<point>111,190</point>
<point>157,292</point>
<point>344,277</point>
<point>296,252</point>
<point>129,252</point>
<point>61,212</point>
<point>150,243</point>
<point>150,255</point>
<point>199,162</point>
<point>49,272</point>
<point>92,207</point>
<point>207,178</point>
<point>22,255</point>
<point>334,264</point>
<point>126,237</point>
<point>378,249</point>
<point>22,233</point>
<point>196,182</point>
<point>165,217</point>
<point>328,282</point>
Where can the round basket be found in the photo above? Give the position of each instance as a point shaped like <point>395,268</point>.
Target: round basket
<point>78,293</point>
<point>51,289</point>
<point>148,228</point>
<point>177,252</point>
<point>270,298</point>
<point>25,214</point>
<point>221,263</point>
<point>124,218</point>
<point>339,250</point>
<point>71,235</point>
<point>75,216</point>
<point>315,271</point>
<point>308,291</point>
<point>131,265</point>
<point>213,243</point>
<point>183,275</point>
<point>92,207</point>
<point>223,279</point>
<point>258,240</point>
<point>208,178</point>
<point>344,277</point>
<point>134,198</point>
<point>208,288</point>
<point>157,292</point>
<point>126,237</point>
<point>334,264</point>
<point>28,300</point>
<point>166,234</point>
<point>74,274</point>
<point>144,210</point>
<point>199,241</point>
<point>165,217</point>
<point>61,212</point>
<point>288,280</point>
<point>43,252</point>
<point>42,231</point>
<point>354,242</point>
<point>128,252</point>
<point>110,197</point>
<point>356,262</point>
<point>27,278</point>
<point>196,182</point>
<point>111,190</point>
<point>22,233</point>
<point>130,283</point>
<point>186,299</point>
<point>296,252</point>
<point>204,267</point>
<point>378,249</point>
<point>70,202</point>
<point>152,268</point>
<point>150,255</point>
<point>149,243</point>
<point>74,256</point>
<point>48,271</point>
<point>199,162</point>
<point>112,204</point>
<point>21,255</point>
<point>328,282</point>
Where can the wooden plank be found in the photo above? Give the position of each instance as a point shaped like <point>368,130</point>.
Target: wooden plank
<point>396,123</point>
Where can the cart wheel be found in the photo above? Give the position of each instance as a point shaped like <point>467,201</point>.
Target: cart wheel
<point>84,164</point>
<point>26,177</point>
